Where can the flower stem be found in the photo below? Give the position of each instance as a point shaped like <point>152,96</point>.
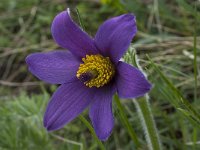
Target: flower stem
<point>87,124</point>
<point>144,110</point>
<point>124,119</point>
<point>145,114</point>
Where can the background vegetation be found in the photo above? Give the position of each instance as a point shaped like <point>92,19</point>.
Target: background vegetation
<point>168,32</point>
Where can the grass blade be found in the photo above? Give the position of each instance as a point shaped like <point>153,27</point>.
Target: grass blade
<point>87,124</point>
<point>182,102</point>
<point>80,20</point>
<point>124,119</point>
<point>195,56</point>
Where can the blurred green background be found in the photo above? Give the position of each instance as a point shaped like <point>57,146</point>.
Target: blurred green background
<point>166,30</point>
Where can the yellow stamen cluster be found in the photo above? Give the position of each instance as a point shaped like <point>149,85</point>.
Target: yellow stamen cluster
<point>102,68</point>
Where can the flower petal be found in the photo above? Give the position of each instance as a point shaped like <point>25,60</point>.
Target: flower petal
<point>68,35</point>
<point>66,103</point>
<point>131,82</point>
<point>114,36</point>
<point>54,67</point>
<point>101,112</point>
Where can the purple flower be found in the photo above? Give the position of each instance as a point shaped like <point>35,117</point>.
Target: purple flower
<point>90,73</point>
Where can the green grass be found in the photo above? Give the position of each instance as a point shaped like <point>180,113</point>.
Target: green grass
<point>168,33</point>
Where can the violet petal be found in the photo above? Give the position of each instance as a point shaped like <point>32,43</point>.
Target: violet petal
<point>101,112</point>
<point>54,67</point>
<point>114,36</point>
<point>67,103</point>
<point>131,82</point>
<point>68,35</point>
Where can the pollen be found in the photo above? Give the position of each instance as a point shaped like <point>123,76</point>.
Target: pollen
<point>95,71</point>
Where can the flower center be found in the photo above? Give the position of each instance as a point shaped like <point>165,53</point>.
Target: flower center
<point>96,70</point>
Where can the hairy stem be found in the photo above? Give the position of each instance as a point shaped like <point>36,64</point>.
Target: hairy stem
<point>144,111</point>
<point>148,124</point>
